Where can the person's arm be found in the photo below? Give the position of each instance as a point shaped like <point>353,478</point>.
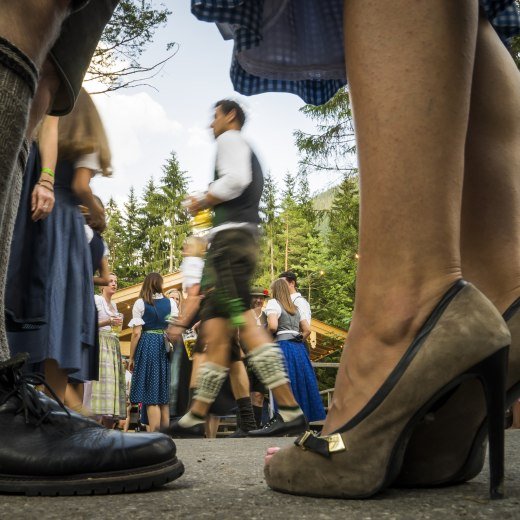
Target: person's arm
<point>134,340</point>
<point>81,188</point>
<point>190,308</point>
<point>272,322</point>
<point>42,197</point>
<point>305,329</point>
<point>273,311</point>
<point>104,273</point>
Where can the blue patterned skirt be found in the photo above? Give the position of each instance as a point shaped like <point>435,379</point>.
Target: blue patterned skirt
<point>296,46</point>
<point>151,377</point>
<point>303,379</point>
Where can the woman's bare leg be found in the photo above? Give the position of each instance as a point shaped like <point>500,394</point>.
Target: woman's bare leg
<point>490,234</point>
<point>56,378</point>
<point>154,417</point>
<point>410,66</point>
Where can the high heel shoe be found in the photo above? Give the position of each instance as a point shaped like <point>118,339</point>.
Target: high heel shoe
<point>463,339</point>
<point>458,428</point>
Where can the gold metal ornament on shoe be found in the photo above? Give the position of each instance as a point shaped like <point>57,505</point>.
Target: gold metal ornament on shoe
<point>324,445</point>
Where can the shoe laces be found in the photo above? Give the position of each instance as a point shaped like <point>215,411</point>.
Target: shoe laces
<point>34,409</point>
<point>274,419</point>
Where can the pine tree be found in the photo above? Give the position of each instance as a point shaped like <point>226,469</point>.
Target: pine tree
<point>151,224</point>
<point>132,271</point>
<point>175,219</point>
<point>113,235</point>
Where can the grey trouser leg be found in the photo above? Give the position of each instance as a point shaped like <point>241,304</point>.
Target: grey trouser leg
<point>18,79</point>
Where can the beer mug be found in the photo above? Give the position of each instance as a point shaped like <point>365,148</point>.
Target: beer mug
<point>190,338</point>
<point>117,327</point>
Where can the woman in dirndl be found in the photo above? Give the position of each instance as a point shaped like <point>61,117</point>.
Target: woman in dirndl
<point>149,351</point>
<point>108,395</point>
<point>283,319</point>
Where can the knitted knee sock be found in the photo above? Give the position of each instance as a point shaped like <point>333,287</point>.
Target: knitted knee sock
<point>245,416</point>
<point>18,78</point>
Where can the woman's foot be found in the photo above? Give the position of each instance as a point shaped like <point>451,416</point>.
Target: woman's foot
<point>463,339</point>
<point>379,336</point>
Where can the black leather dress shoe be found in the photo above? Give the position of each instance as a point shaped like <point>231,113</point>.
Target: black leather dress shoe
<point>239,434</point>
<point>179,432</point>
<point>276,427</point>
<point>46,449</point>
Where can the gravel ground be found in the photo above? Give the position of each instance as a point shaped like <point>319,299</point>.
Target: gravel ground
<point>224,480</point>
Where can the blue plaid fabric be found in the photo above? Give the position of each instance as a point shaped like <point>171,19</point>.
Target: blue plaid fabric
<point>242,20</point>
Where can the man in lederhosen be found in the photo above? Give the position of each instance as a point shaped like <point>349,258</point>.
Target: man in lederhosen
<point>235,197</point>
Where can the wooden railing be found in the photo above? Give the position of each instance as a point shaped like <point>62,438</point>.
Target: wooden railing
<point>329,391</point>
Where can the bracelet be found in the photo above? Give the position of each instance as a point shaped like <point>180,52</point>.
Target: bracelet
<point>48,171</point>
<point>46,187</point>
<point>47,181</point>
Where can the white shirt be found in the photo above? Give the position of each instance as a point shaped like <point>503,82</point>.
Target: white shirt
<point>89,161</point>
<point>105,310</point>
<point>235,173</point>
<point>303,306</point>
<point>233,165</point>
<point>138,310</point>
<point>191,269</point>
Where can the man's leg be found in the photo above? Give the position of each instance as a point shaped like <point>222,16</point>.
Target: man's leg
<point>24,43</point>
<point>240,387</point>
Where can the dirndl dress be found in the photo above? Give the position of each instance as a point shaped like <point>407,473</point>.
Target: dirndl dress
<point>108,394</point>
<point>303,379</point>
<point>69,334</point>
<point>151,377</point>
<point>296,46</point>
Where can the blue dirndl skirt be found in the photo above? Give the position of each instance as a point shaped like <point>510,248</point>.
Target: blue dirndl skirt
<point>151,377</point>
<point>296,46</point>
<point>303,379</point>
<point>70,333</point>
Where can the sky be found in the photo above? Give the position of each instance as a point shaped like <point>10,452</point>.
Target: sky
<point>145,125</point>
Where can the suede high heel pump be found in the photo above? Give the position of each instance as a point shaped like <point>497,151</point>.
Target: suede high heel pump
<point>458,428</point>
<point>464,339</point>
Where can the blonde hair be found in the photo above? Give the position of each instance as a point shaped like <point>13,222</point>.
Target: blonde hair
<point>280,292</point>
<point>195,246</point>
<point>81,132</point>
<point>170,294</point>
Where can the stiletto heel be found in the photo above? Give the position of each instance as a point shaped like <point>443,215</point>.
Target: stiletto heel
<point>493,377</point>
<point>459,427</point>
<point>461,342</point>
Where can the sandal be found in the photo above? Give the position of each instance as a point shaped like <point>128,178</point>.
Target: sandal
<point>458,428</point>
<point>464,338</point>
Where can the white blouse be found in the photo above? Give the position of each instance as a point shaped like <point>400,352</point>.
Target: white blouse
<point>105,310</point>
<point>89,161</point>
<point>191,269</point>
<point>273,307</point>
<point>138,310</point>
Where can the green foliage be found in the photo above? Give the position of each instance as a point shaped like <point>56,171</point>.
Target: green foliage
<point>332,146</point>
<point>117,60</point>
<point>148,233</point>
<point>515,44</point>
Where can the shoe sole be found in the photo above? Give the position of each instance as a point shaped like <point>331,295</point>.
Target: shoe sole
<point>128,481</point>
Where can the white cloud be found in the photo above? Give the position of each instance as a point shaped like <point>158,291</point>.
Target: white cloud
<point>141,136</point>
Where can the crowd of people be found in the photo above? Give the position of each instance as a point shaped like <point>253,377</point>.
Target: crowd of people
<point>438,199</point>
